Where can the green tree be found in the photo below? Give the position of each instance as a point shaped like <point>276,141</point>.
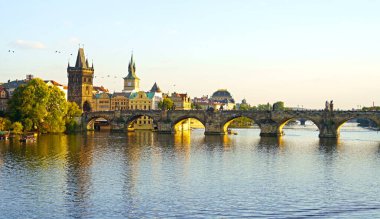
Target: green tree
<point>166,104</point>
<point>29,102</point>
<point>195,106</point>
<point>72,112</point>
<point>56,107</point>
<point>5,124</point>
<point>241,122</point>
<point>17,128</point>
<point>40,107</point>
<point>264,107</point>
<point>371,108</point>
<point>28,124</point>
<point>244,107</point>
<point>279,106</point>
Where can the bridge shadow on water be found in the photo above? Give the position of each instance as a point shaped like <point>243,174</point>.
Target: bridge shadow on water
<point>329,145</point>
<point>270,144</point>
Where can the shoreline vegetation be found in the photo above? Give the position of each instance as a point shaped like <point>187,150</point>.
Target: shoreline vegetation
<point>38,108</point>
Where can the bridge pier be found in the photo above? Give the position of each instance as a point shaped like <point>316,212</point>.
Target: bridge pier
<point>214,129</point>
<point>117,127</point>
<point>164,127</point>
<point>270,130</point>
<point>328,130</point>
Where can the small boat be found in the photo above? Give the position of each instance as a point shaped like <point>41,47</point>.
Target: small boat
<point>230,132</point>
<point>4,135</point>
<point>28,138</point>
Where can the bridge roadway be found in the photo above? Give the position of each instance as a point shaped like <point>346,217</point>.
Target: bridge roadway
<point>216,123</point>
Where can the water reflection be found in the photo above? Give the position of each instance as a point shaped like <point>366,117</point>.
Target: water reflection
<point>218,142</point>
<point>270,144</point>
<point>143,174</point>
<point>78,175</point>
<point>329,145</point>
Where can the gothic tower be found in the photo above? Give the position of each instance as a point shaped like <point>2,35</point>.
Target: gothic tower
<point>131,82</point>
<point>80,79</point>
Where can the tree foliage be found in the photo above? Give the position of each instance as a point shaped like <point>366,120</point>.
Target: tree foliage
<point>264,107</point>
<point>279,106</point>
<point>371,108</point>
<point>5,124</point>
<point>241,122</point>
<point>29,102</point>
<point>17,128</point>
<point>41,108</point>
<point>72,112</point>
<point>166,104</point>
<point>244,107</point>
<point>196,106</point>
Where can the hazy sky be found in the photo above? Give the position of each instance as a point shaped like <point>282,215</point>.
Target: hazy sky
<point>300,51</point>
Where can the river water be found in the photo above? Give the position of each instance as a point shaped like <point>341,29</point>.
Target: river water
<point>148,175</point>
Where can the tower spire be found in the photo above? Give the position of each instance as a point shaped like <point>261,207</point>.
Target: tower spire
<point>132,68</point>
<point>81,59</point>
<point>131,82</point>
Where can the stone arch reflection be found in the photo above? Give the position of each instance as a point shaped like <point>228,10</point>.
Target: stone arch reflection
<point>98,124</point>
<point>187,123</point>
<point>141,122</point>
<point>270,144</point>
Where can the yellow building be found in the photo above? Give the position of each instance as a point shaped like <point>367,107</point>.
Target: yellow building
<point>181,101</point>
<point>101,102</point>
<point>119,101</point>
<point>142,101</point>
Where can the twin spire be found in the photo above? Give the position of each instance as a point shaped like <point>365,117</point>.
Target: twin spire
<point>82,62</point>
<point>132,69</point>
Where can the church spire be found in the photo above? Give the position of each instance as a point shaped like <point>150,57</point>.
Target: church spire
<point>155,88</point>
<point>132,69</point>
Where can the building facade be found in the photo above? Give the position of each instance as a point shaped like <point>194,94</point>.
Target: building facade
<point>141,101</point>
<point>181,101</point>
<point>4,97</point>
<point>120,101</point>
<point>101,102</point>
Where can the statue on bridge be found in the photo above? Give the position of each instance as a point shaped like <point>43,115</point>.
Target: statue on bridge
<point>329,106</point>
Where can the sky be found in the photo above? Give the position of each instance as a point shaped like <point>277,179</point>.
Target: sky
<point>297,51</point>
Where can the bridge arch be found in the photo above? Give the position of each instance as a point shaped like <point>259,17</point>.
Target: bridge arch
<point>226,123</point>
<point>183,123</point>
<point>90,122</point>
<point>285,121</point>
<point>374,119</point>
<point>142,121</point>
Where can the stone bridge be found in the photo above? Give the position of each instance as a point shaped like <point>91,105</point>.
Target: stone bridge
<point>216,123</point>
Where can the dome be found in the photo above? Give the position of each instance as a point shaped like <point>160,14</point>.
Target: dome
<point>221,93</point>
<point>223,96</point>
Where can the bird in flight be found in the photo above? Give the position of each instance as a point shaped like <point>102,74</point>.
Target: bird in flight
<point>11,51</point>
